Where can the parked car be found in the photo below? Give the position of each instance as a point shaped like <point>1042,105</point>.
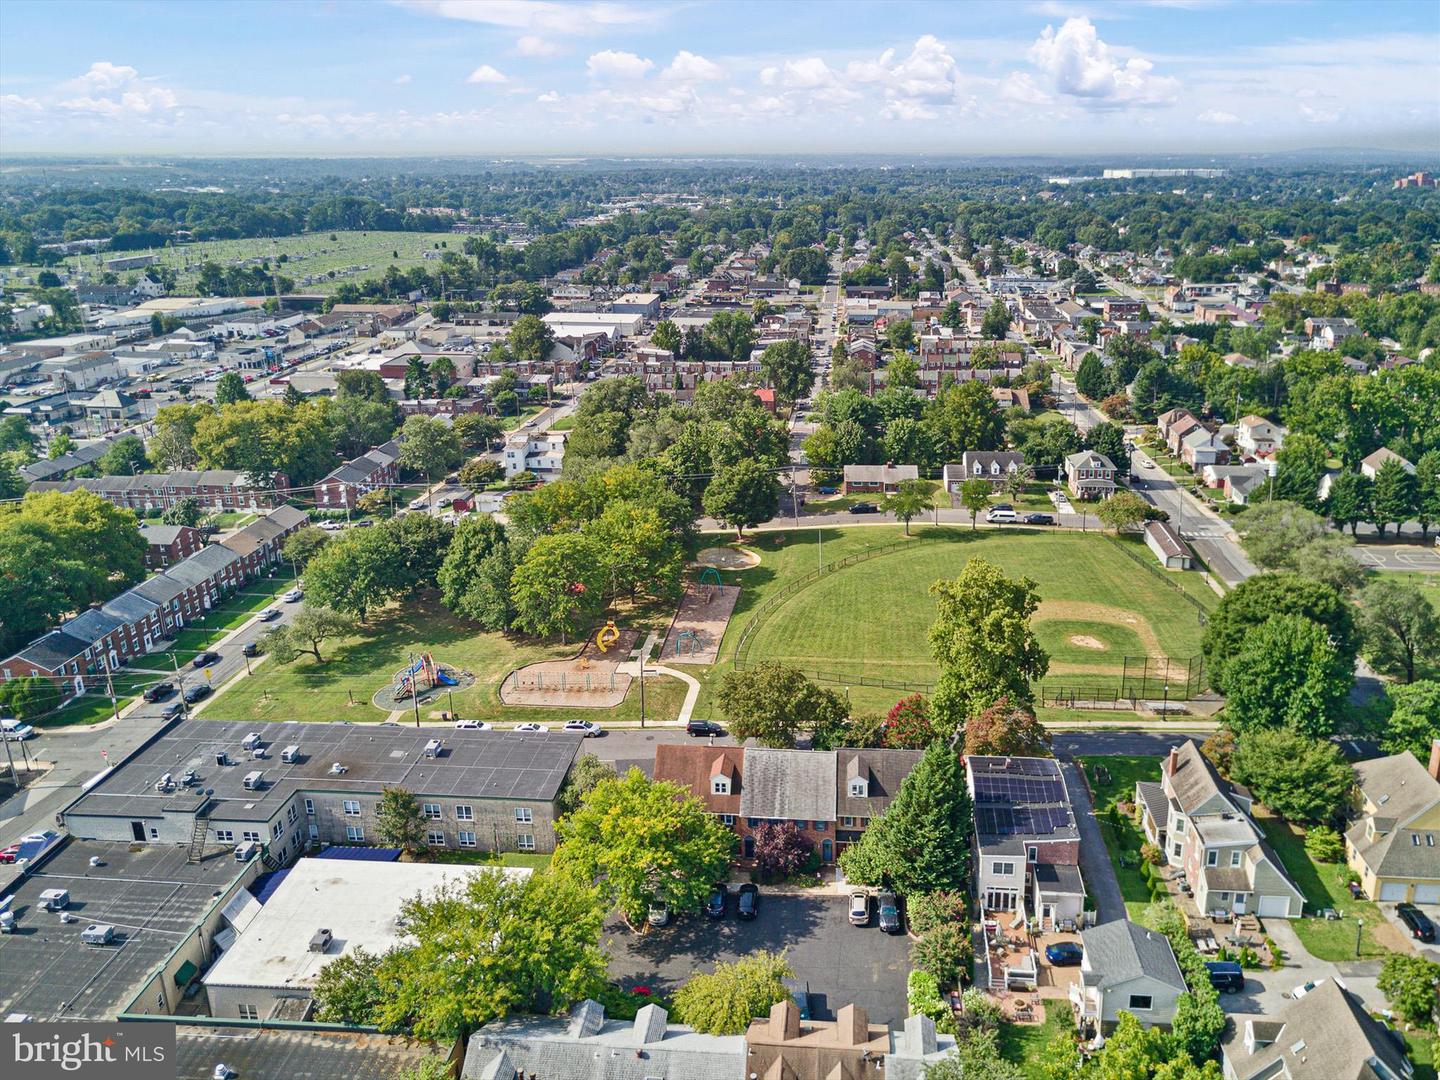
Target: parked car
<point>1300,991</point>
<point>1039,519</point>
<point>702,728</point>
<point>171,711</point>
<point>588,728</point>
<point>198,692</point>
<point>718,900</point>
<point>1001,515</point>
<point>15,730</point>
<point>294,596</point>
<point>531,726</point>
<point>1226,976</point>
<point>250,648</point>
<point>159,692</point>
<point>270,614</point>
<point>205,659</point>
<point>332,525</point>
<point>859,908</point>
<point>747,903</point>
<point>889,913</point>
<point>864,508</point>
<point>659,914</point>
<point>1064,953</point>
<point>419,504</point>
<point>826,489</point>
<point>1417,921</point>
<point>473,725</point>
<point>9,854</point>
<point>1145,462</point>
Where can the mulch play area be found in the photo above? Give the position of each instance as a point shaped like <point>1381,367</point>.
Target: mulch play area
<point>587,680</point>
<point>699,624</point>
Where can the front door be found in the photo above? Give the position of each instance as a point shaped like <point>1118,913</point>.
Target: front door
<point>137,831</point>
<point>1047,916</point>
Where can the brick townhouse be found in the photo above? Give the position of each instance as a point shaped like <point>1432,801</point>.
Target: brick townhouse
<point>373,470</point>
<point>213,489</point>
<point>166,545</point>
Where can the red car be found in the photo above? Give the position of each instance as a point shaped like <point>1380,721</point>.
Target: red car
<point>8,855</point>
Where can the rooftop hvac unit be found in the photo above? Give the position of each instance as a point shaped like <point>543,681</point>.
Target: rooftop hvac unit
<point>250,741</point>
<point>253,780</point>
<point>320,941</point>
<point>338,769</point>
<point>222,758</point>
<point>432,748</point>
<point>290,755</point>
<point>165,783</point>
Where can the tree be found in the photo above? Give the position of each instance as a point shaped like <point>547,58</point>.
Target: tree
<point>1399,627</point>
<point>355,574</point>
<point>267,439</point>
<point>398,821</point>
<point>559,586</point>
<point>230,388</point>
<point>1299,467</point>
<point>430,1067</point>
<point>1300,778</point>
<point>124,457</point>
<point>442,373</point>
<point>489,945</point>
<point>996,322</point>
<point>90,546</point>
<point>1328,560</point>
<point>781,849</point>
<point>1324,844</point>
<point>28,697</point>
<point>983,642</point>
<point>1006,730</point>
<point>1255,600</point>
<point>642,841</point>
<point>1091,378</point>
<point>1427,491</point>
<point>173,444</point>
<point>774,703</point>
<point>184,511</point>
<point>1414,721</point>
<point>1124,511</point>
<point>1273,531</point>
<point>429,446</point>
<point>303,545</point>
<point>1286,674</point>
<point>480,473</point>
<point>1060,1058</point>
<point>347,990</point>
<point>902,373</point>
<point>583,777</point>
<point>921,842</point>
<point>417,379</point>
<point>355,382</point>
<point>311,626</point>
<point>1199,1022</point>
<point>1393,499</point>
<point>786,366</point>
<point>741,495</point>
<point>965,417</point>
<point>944,952</point>
<point>1408,983</point>
<point>731,335</point>
<point>15,434</point>
<point>474,579</point>
<point>1349,500</point>
<point>530,339</point>
<point>975,496</point>
<point>910,499</point>
<point>37,585</point>
<point>638,550</point>
<point>724,1001</point>
<point>908,726</point>
<point>1109,439</point>
<point>357,423</point>
<point>666,335</point>
<point>12,484</point>
<point>476,431</point>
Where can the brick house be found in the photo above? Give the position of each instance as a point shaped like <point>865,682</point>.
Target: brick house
<point>166,545</point>
<point>877,479</point>
<point>373,470</point>
<point>1090,475</point>
<point>213,489</point>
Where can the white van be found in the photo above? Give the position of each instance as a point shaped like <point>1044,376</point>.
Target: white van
<point>1001,515</point>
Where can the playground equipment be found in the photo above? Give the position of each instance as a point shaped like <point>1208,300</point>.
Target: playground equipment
<point>687,637</point>
<point>424,673</point>
<point>608,635</point>
<point>710,576</point>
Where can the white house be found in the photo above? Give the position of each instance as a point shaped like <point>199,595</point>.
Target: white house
<point>536,452</point>
<point>1126,968</point>
<point>1255,435</point>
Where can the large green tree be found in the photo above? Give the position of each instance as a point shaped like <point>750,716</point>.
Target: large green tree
<point>642,841</point>
<point>559,586</point>
<point>921,842</point>
<point>357,573</point>
<point>1349,500</point>
<point>1300,464</point>
<point>1393,500</point>
<point>1252,602</point>
<point>744,494</point>
<point>983,642</point>
<point>910,499</point>
<point>1298,777</point>
<point>1414,721</point>
<point>429,446</point>
<point>1400,628</point>
<point>1287,674</point>
<point>786,367</point>
<point>1272,532</point>
<point>774,704</point>
<point>399,822</point>
<point>231,387</point>
<point>311,627</point>
<point>965,417</point>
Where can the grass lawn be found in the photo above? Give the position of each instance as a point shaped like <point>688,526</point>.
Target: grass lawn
<point>1024,1044</point>
<point>358,665</point>
<point>1324,886</point>
<point>1422,1050</point>
<point>1111,780</point>
<point>230,519</point>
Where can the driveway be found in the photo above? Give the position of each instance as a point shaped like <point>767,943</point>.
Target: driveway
<point>843,964</point>
<point>1095,864</point>
<point>1264,989</point>
<point>1430,951</point>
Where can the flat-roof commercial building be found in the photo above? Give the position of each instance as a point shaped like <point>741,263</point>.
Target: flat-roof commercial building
<point>315,1055</point>
<point>289,785</point>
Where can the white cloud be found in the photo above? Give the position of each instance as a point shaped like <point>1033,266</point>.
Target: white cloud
<point>485,75</point>
<point>1217,116</point>
<point>810,73</point>
<point>1079,65</point>
<point>535,15</point>
<point>1020,88</point>
<point>610,64</point>
<point>688,67</point>
<point>115,91</point>
<point>550,97</point>
<point>1319,116</point>
<point>537,47</point>
<point>104,75</point>
<point>402,80</point>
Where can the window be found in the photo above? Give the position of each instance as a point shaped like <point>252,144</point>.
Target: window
<point>1212,858</point>
<point>225,836</point>
<point>464,812</point>
<point>248,1012</point>
<point>1140,1002</point>
<point>859,789</point>
<point>291,813</point>
<point>1002,869</point>
<point>250,835</point>
<point>752,821</point>
<point>1235,857</point>
<point>314,831</point>
<point>728,819</point>
<point>719,785</point>
<point>467,838</point>
<point>352,807</point>
<point>820,826</point>
<point>435,838</point>
<point>1032,853</point>
<point>431,810</point>
<point>1178,849</point>
<point>523,815</point>
<point>848,822</point>
<point>1224,897</point>
<point>355,834</point>
<point>525,841</point>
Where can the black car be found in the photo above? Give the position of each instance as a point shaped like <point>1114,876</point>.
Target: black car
<point>195,693</point>
<point>1226,976</point>
<point>748,901</point>
<point>889,909</point>
<point>1039,519</point>
<point>864,508</point>
<point>1418,922</point>
<point>250,648</point>
<point>717,901</point>
<point>702,728</point>
<point>159,692</point>
<point>205,659</point>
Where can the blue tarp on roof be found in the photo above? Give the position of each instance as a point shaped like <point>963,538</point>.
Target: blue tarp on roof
<point>265,885</point>
<point>361,854</point>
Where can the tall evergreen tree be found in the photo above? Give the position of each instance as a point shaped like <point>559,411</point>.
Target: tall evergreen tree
<point>1393,499</point>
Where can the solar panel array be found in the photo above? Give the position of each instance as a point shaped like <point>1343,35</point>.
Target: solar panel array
<point>1004,790</point>
<point>1019,796</point>
<point>1026,820</point>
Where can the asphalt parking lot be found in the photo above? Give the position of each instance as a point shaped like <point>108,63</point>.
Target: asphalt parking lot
<point>842,963</point>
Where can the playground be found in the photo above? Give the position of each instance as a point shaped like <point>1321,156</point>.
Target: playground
<point>587,680</point>
<point>700,622</point>
<point>422,679</point>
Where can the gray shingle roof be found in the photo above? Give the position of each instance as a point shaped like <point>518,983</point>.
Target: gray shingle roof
<point>54,650</point>
<point>792,785</point>
<point>1122,950</point>
<point>92,625</point>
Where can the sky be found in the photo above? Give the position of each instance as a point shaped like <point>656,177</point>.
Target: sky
<point>616,77</point>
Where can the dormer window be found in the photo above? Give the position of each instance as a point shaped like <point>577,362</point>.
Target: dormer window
<point>720,785</point>
<point>859,788</point>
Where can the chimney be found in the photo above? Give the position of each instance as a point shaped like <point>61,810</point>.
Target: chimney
<point>784,1021</point>
<point>1434,767</point>
<point>586,1019</point>
<point>1174,761</point>
<point>650,1024</point>
<point>852,1026</point>
<point>918,1038</point>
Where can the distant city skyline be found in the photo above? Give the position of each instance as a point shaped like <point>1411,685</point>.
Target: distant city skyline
<point>611,77</point>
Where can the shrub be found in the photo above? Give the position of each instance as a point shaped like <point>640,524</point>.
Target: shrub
<point>1324,844</point>
<point>622,1004</point>
<point>922,995</point>
<point>929,910</point>
<point>1152,854</point>
<point>724,1001</point>
<point>946,953</point>
<point>1409,983</point>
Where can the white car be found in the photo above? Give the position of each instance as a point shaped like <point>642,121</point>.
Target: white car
<point>472,725</point>
<point>531,727</point>
<point>332,526</point>
<point>419,504</point>
<point>270,614</point>
<point>1145,462</point>
<point>294,596</point>
<point>14,730</point>
<point>584,727</point>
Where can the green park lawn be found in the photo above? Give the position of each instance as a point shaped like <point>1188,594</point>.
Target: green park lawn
<point>1112,779</point>
<point>1324,886</point>
<point>870,620</point>
<point>358,665</point>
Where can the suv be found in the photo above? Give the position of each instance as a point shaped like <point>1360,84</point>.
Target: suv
<point>1226,976</point>
<point>159,692</point>
<point>1416,921</point>
<point>859,908</point>
<point>701,728</point>
<point>890,913</point>
<point>864,508</point>
<point>748,904</point>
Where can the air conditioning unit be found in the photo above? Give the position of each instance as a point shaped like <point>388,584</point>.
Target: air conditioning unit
<point>320,940</point>
<point>254,780</point>
<point>338,769</point>
<point>290,755</point>
<point>250,741</point>
<point>432,748</point>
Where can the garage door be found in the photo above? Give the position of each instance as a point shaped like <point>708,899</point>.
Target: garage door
<point>1393,891</point>
<point>1427,894</point>
<point>1275,906</point>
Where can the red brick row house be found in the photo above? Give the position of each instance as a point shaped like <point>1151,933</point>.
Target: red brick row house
<point>166,545</point>
<point>371,471</point>
<point>213,489</point>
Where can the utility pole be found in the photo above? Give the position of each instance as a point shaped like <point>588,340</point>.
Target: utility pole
<point>110,685</point>
<point>179,683</point>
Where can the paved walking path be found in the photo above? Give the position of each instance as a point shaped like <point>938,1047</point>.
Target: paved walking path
<point>692,687</point>
<point>1095,865</point>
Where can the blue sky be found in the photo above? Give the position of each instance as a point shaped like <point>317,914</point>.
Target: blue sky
<point>695,76</point>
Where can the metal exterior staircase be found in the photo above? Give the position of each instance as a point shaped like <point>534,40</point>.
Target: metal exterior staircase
<point>197,839</point>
